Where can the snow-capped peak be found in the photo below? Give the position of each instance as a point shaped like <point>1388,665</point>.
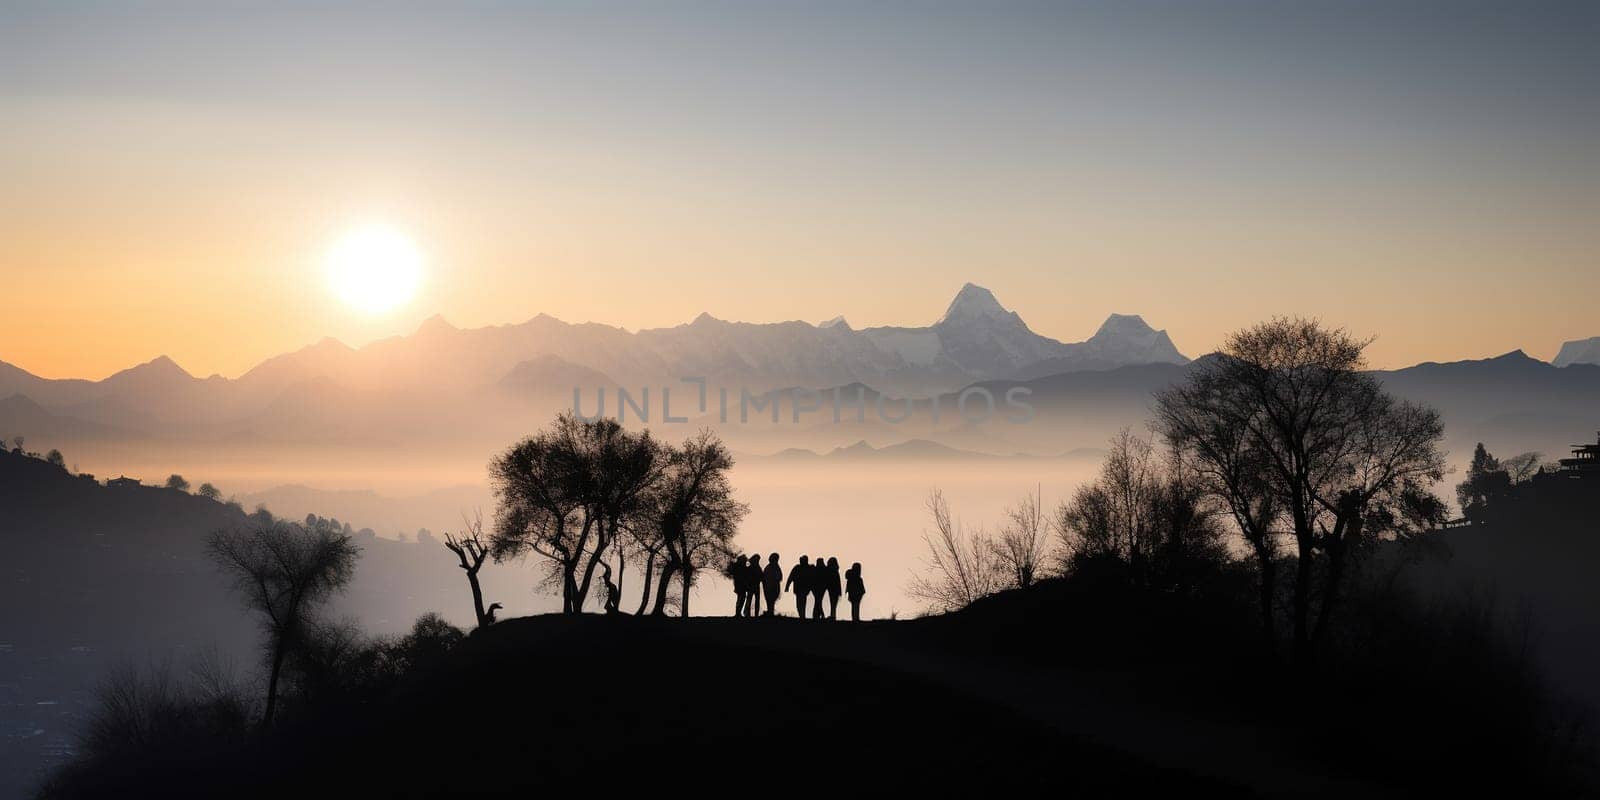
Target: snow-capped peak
<point>1124,325</point>
<point>974,301</point>
<point>1128,338</point>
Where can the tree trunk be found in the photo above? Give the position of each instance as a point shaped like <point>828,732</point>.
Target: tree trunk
<point>1302,606</point>
<point>1338,555</point>
<point>602,541</point>
<point>279,649</point>
<point>667,571</point>
<point>688,577</point>
<point>1268,589</point>
<point>574,601</point>
<point>622,567</point>
<point>477,597</point>
<point>569,587</point>
<point>649,574</point>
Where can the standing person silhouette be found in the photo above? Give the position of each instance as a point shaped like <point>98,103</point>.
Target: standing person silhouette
<point>753,584</point>
<point>854,588</point>
<point>772,583</point>
<point>736,572</point>
<point>800,584</point>
<point>833,588</point>
<point>819,586</point>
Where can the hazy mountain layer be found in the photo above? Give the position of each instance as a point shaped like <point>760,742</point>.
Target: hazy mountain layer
<point>442,378</point>
<point>1580,351</point>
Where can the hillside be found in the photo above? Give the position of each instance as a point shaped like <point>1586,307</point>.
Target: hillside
<point>1062,685</point>
<point>94,576</point>
<point>558,703</point>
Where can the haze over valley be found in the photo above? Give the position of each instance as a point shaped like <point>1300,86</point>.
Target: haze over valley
<point>395,436</point>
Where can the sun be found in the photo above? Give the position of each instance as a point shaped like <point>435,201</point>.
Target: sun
<point>374,269</point>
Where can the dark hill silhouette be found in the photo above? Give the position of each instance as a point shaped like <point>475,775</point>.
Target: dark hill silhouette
<point>1062,684</point>
<point>95,575</point>
<point>1090,680</point>
<point>788,700</point>
<point>1509,398</point>
<point>437,510</point>
<point>785,706</point>
<point>121,565</point>
<point>1533,554</point>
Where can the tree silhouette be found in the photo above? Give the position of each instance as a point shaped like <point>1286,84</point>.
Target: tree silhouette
<point>1290,431</point>
<point>1489,479</point>
<point>960,567</point>
<point>1523,466</point>
<point>1023,546</point>
<point>1147,512</point>
<point>209,492</point>
<point>568,493</point>
<point>696,516</point>
<point>1485,479</point>
<point>471,548</point>
<point>284,572</point>
<point>55,458</point>
<point>177,483</point>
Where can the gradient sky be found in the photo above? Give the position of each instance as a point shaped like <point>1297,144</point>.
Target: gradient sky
<point>171,175</point>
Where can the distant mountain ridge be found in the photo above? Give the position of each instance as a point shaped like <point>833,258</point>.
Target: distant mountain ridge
<point>1579,351</point>
<point>984,340</point>
<point>477,372</point>
<point>473,389</point>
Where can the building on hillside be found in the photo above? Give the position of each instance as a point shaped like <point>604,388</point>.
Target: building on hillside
<point>115,483</point>
<point>1585,461</point>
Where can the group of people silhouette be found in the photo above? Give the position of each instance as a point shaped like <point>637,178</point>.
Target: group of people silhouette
<point>819,581</point>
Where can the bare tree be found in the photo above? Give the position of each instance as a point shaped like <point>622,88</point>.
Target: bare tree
<point>471,548</point>
<point>284,573</point>
<point>1523,466</point>
<point>1023,546</point>
<point>960,567</point>
<point>1291,432</point>
<point>696,516</point>
<point>1144,511</point>
<point>1114,516</point>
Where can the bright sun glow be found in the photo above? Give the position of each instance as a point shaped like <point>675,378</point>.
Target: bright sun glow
<point>374,269</point>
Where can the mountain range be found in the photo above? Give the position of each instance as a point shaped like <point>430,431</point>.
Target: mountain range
<point>1580,351</point>
<point>468,391</point>
<point>449,376</point>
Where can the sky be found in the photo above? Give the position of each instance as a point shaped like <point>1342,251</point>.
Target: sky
<point>173,176</point>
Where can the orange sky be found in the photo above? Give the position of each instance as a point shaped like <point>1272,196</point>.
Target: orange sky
<point>171,186</point>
